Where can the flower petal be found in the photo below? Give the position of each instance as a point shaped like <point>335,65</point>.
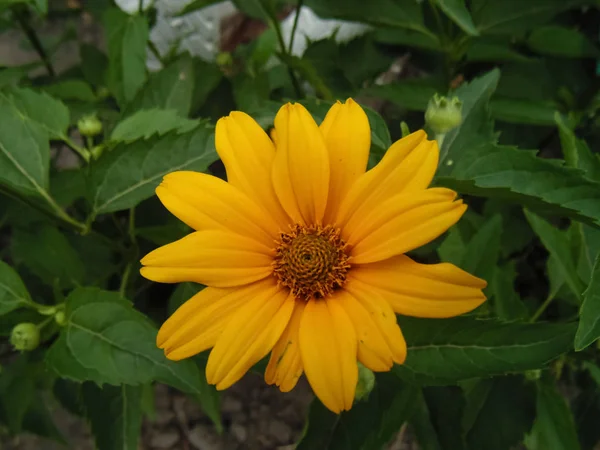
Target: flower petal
<point>373,350</point>
<point>248,155</point>
<point>197,324</point>
<point>205,202</point>
<point>403,223</point>
<point>212,257</point>
<point>328,349</point>
<point>408,166</point>
<point>347,135</point>
<point>249,336</point>
<point>285,365</point>
<point>301,168</point>
<point>383,316</point>
<point>420,290</point>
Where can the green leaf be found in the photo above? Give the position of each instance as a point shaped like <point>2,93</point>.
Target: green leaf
<point>446,405</point>
<point>114,414</point>
<point>576,152</point>
<point>482,251</point>
<point>559,41</point>
<point>24,151</point>
<point>308,71</point>
<point>476,125</point>
<point>530,112</point>
<point>145,123</point>
<point>507,400</point>
<point>420,422</point>
<point>368,425</point>
<point>94,64</point>
<point>71,90</point>
<point>17,389</point>
<point>557,245</point>
<point>589,316</point>
<point>400,13</point>
<point>106,341</point>
<point>39,420</point>
<point>410,38</point>
<point>507,302</point>
<point>67,186</point>
<point>13,293</point>
<point>514,16</point>
<point>554,428</point>
<point>48,254</point>
<point>196,5</point>
<point>127,38</point>
<point>518,175</point>
<point>459,14</point>
<point>31,107</point>
<point>131,172</point>
<point>207,78</point>
<point>412,95</point>
<point>486,49</point>
<point>170,88</point>
<point>446,351</point>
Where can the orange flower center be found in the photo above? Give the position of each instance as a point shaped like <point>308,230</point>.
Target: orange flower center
<point>311,261</point>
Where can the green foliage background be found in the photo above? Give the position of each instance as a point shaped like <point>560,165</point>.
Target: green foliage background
<point>525,158</point>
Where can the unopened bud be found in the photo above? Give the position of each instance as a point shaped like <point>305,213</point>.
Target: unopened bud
<point>365,384</point>
<point>224,59</point>
<point>60,318</point>
<point>89,126</point>
<point>443,114</point>
<point>25,337</point>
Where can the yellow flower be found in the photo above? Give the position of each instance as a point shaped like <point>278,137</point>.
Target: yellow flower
<point>302,251</point>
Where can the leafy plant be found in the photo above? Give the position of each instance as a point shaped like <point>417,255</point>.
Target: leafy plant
<point>83,149</point>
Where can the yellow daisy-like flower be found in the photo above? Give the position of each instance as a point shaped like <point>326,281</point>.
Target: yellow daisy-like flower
<point>302,252</point>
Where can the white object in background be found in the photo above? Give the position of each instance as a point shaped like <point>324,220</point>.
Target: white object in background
<point>199,32</point>
<point>314,28</point>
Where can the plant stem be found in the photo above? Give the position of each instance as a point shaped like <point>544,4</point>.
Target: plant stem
<point>83,152</point>
<point>155,52</point>
<point>56,211</point>
<point>33,39</point>
<point>125,279</point>
<point>541,309</point>
<point>274,23</point>
<point>295,25</point>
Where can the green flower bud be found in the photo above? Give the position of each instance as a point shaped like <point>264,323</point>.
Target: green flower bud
<point>97,151</point>
<point>89,126</point>
<point>25,337</point>
<point>533,375</point>
<point>442,114</point>
<point>366,383</point>
<point>224,59</point>
<point>60,318</point>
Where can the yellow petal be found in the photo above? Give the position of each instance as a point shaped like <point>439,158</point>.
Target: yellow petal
<point>403,223</point>
<point>408,165</point>
<point>197,324</point>
<point>383,315</point>
<point>328,349</point>
<point>420,290</point>
<point>373,350</point>
<point>206,202</point>
<point>285,365</point>
<point>301,169</point>
<point>249,336</point>
<point>213,258</point>
<point>248,155</point>
<point>347,135</point>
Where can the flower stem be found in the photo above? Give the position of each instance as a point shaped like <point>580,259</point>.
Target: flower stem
<point>83,152</point>
<point>274,23</point>
<point>541,309</point>
<point>295,25</point>
<point>33,39</point>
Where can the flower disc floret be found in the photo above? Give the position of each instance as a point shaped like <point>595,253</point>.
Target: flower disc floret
<point>311,261</point>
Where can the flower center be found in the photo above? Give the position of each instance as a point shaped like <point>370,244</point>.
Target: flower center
<point>311,261</point>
